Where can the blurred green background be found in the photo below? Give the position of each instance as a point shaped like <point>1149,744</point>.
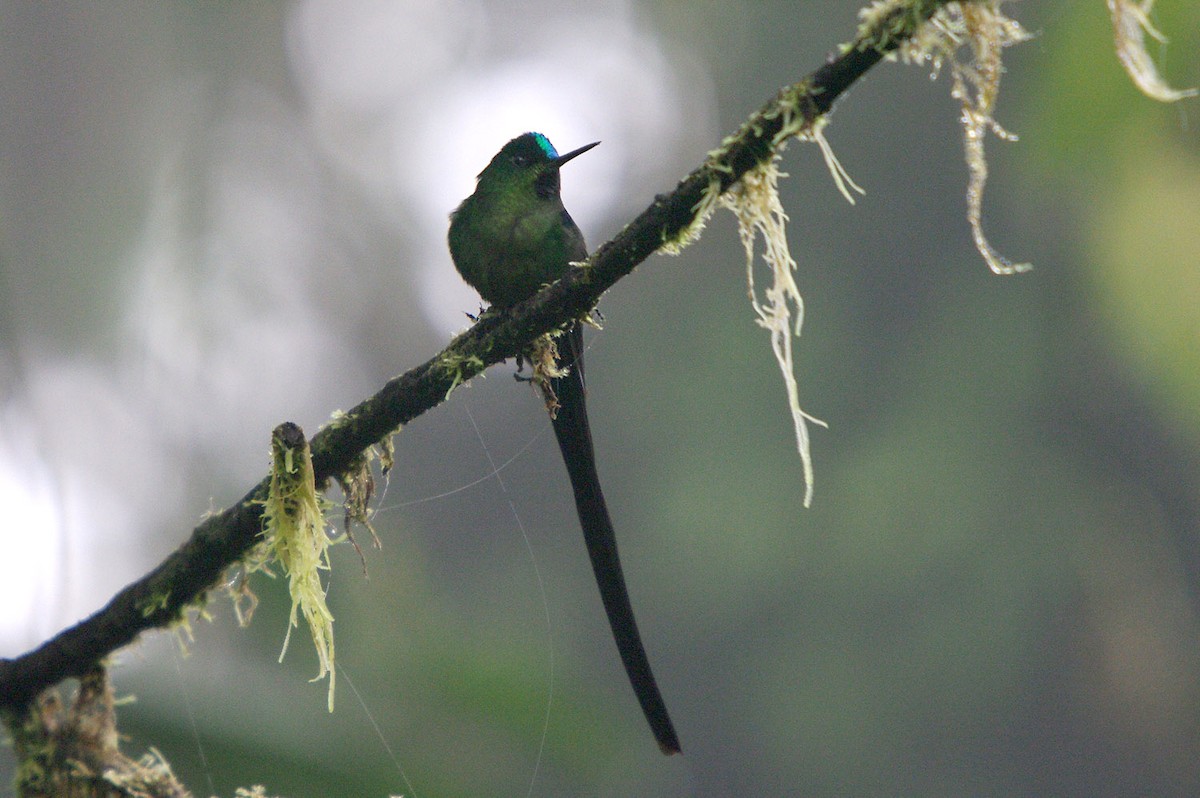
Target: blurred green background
<point>215,217</point>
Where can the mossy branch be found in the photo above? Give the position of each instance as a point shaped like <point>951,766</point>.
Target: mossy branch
<point>181,581</point>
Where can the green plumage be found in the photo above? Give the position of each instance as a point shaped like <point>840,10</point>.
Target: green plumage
<point>513,235</point>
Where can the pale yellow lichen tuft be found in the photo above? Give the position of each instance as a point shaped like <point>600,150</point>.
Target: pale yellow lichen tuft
<point>385,450</point>
<point>151,775</point>
<point>1131,25</point>
<point>457,366</point>
<point>256,791</point>
<point>701,213</point>
<point>982,28</point>
<point>543,358</point>
<point>754,200</point>
<point>885,22</point>
<point>181,629</point>
<point>244,600</point>
<point>841,178</point>
<point>294,531</point>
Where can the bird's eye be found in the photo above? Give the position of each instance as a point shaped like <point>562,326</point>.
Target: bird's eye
<point>520,160</point>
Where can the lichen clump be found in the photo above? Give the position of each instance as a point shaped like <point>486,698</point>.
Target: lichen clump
<point>74,750</point>
<point>294,536</point>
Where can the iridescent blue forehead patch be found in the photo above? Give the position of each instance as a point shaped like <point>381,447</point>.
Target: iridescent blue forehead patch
<point>546,146</point>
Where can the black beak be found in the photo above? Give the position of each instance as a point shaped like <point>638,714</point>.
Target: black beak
<point>562,159</point>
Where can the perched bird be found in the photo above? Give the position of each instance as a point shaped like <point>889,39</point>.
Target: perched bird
<point>508,239</point>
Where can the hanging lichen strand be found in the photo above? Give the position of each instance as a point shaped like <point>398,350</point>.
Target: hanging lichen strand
<point>1131,25</point>
<point>970,37</point>
<point>754,200</point>
<point>294,532</point>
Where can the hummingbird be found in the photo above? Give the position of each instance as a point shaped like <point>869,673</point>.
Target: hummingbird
<point>509,239</point>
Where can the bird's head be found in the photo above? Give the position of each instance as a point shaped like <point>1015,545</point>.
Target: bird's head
<point>527,163</point>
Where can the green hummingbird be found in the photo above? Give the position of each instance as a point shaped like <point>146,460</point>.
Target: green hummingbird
<point>509,239</point>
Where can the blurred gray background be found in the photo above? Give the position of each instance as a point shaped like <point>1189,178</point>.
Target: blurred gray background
<point>215,217</point>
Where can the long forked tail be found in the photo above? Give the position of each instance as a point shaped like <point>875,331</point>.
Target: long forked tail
<point>575,441</point>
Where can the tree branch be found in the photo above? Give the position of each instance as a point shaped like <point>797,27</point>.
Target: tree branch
<point>162,596</point>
